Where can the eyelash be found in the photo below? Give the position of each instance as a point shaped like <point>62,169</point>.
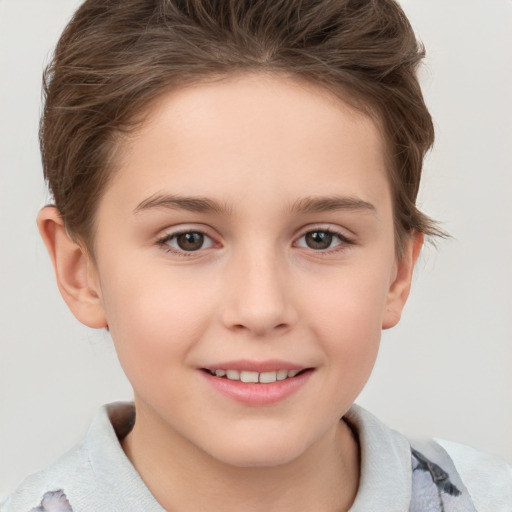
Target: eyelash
<point>164,242</point>
<point>344,241</point>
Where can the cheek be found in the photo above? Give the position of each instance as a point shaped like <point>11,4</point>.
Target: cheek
<point>153,321</point>
<point>350,302</point>
<point>347,318</point>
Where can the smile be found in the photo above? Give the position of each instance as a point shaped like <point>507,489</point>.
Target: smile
<point>256,389</point>
<point>254,377</point>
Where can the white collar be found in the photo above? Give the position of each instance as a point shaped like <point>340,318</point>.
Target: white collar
<point>386,472</point>
<point>385,480</point>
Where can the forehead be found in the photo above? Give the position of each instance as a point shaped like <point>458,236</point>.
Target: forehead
<point>253,135</point>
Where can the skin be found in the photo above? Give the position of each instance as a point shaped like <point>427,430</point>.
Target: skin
<point>259,146</point>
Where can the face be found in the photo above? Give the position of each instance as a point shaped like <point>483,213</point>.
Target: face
<point>248,234</point>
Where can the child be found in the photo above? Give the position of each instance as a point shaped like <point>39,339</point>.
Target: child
<point>235,188</point>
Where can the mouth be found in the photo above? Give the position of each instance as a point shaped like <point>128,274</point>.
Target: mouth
<point>257,383</point>
<point>245,376</point>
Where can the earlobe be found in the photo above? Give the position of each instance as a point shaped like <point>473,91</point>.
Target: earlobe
<point>74,270</point>
<point>401,286</point>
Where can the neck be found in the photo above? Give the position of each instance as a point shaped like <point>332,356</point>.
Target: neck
<point>181,476</point>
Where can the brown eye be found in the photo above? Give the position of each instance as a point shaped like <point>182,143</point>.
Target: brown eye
<point>190,241</point>
<point>318,239</point>
<point>323,240</point>
<point>184,243</point>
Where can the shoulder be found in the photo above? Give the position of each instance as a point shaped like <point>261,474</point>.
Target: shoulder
<point>457,469</point>
<point>90,477</point>
<point>487,477</point>
<point>46,490</point>
<point>432,474</point>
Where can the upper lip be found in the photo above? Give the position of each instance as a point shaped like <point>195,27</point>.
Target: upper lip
<point>256,366</point>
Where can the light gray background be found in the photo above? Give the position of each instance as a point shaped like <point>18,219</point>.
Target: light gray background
<point>446,370</point>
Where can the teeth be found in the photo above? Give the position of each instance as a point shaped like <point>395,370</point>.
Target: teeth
<point>249,376</point>
<point>268,377</point>
<point>263,377</point>
<point>282,374</point>
<point>233,374</point>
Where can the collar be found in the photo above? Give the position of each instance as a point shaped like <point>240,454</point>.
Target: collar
<point>386,473</point>
<point>109,461</point>
<point>382,490</point>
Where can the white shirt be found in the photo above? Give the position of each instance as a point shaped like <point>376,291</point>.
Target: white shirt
<point>96,475</point>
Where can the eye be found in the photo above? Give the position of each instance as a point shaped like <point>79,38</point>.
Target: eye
<point>322,240</point>
<point>186,241</point>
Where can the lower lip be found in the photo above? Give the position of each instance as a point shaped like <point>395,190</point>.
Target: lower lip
<point>257,394</point>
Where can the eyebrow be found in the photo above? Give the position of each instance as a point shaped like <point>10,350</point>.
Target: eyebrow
<point>174,202</point>
<point>201,204</point>
<point>331,203</point>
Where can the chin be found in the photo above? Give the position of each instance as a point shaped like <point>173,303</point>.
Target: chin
<point>261,453</point>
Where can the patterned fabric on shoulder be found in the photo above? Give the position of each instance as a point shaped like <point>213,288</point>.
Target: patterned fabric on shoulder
<point>54,501</point>
<point>434,489</point>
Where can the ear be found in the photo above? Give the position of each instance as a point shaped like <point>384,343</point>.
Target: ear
<point>75,271</point>
<point>401,285</point>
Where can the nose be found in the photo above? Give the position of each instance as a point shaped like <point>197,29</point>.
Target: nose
<point>259,301</point>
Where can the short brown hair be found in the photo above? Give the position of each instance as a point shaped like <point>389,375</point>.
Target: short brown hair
<point>115,57</point>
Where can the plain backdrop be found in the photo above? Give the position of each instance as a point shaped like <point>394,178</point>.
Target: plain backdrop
<point>445,371</point>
